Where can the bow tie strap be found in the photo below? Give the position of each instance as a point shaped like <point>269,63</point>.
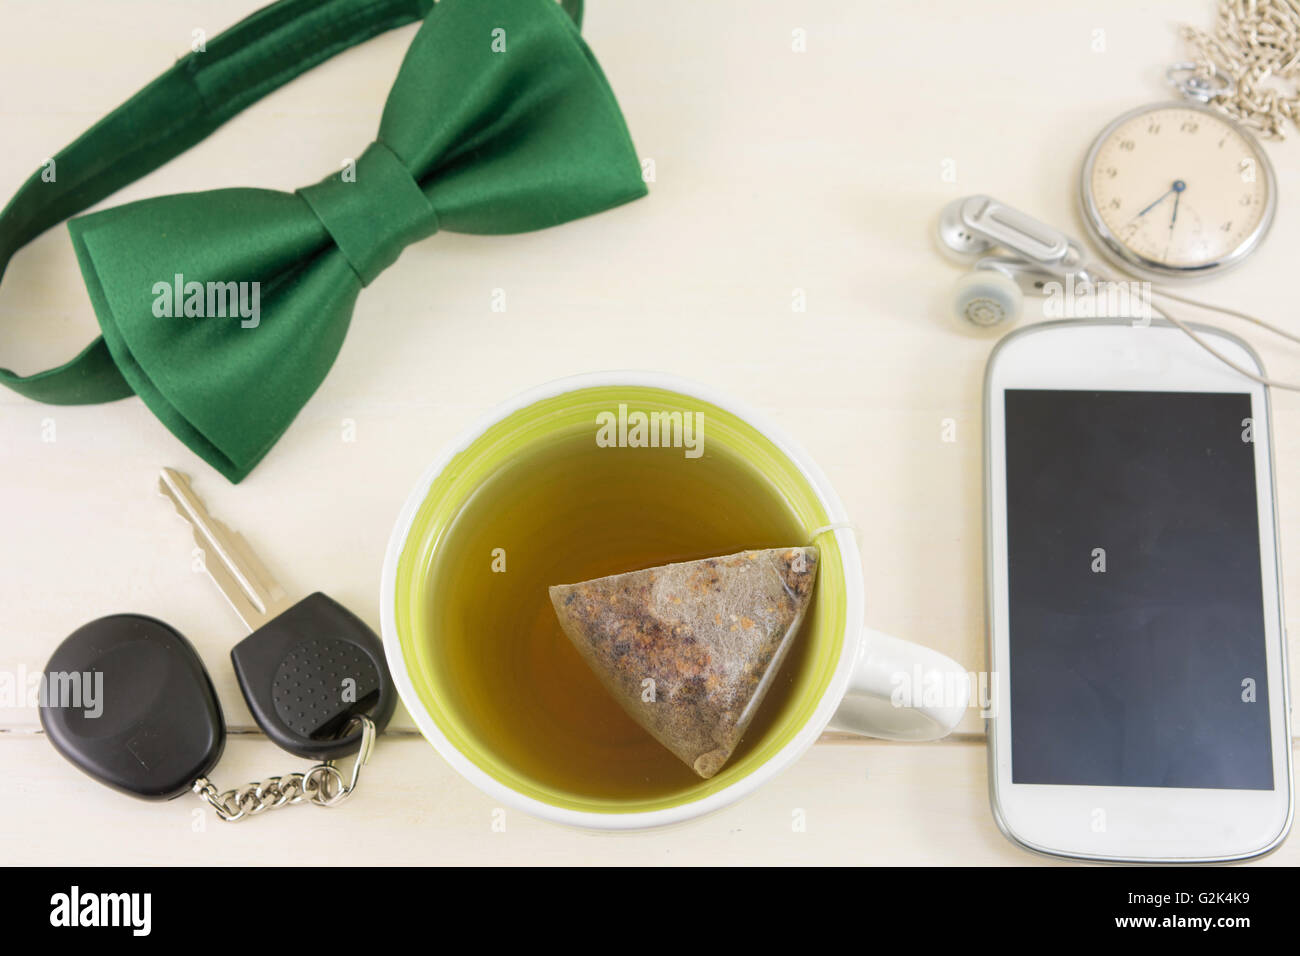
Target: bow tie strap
<point>374,214</point>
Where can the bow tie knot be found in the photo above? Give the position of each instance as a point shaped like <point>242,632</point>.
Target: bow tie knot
<point>372,215</point>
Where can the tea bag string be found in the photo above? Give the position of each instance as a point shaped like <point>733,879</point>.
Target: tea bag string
<point>833,526</point>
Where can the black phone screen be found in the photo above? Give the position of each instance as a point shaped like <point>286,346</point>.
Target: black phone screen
<point>1137,641</point>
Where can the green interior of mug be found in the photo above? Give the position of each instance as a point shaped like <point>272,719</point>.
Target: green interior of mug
<point>556,419</point>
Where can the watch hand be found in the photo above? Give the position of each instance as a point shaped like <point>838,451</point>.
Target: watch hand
<point>1177,187</point>
<point>1163,196</point>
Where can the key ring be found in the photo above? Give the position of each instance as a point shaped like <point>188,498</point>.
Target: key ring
<point>1198,82</point>
<point>322,785</point>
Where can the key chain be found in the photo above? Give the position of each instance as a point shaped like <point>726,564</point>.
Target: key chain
<point>323,784</point>
<point>127,700</point>
<point>1246,65</point>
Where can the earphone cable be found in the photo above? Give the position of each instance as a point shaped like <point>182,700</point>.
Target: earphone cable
<point>1163,312</point>
<point>1222,310</point>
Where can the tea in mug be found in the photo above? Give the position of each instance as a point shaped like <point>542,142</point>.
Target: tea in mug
<point>570,509</point>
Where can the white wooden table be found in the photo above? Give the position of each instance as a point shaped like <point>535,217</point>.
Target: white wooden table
<point>778,172</point>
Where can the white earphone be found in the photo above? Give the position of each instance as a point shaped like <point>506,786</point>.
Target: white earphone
<point>973,229</point>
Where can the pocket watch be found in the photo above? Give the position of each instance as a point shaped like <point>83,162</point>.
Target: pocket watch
<point>1177,190</point>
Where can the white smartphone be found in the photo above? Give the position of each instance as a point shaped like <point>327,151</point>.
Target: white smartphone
<point>1140,709</point>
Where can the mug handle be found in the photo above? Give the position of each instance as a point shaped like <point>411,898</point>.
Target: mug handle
<point>902,691</point>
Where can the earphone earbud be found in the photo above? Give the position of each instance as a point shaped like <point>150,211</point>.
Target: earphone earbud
<point>956,240</point>
<point>987,297</point>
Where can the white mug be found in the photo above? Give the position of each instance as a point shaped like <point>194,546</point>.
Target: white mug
<point>861,680</point>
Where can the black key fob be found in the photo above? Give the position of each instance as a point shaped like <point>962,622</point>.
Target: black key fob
<point>308,671</point>
<point>127,699</point>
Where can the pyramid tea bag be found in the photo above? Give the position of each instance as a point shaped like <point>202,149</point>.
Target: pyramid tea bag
<point>690,649</point>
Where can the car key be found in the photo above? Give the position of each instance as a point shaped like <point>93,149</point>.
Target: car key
<point>127,700</point>
<point>307,669</point>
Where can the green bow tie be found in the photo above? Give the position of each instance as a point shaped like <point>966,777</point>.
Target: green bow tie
<point>224,310</point>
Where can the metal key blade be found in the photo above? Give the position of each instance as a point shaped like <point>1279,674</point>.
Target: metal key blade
<point>231,564</point>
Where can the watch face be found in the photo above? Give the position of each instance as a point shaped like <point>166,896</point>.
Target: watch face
<point>1177,189</point>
